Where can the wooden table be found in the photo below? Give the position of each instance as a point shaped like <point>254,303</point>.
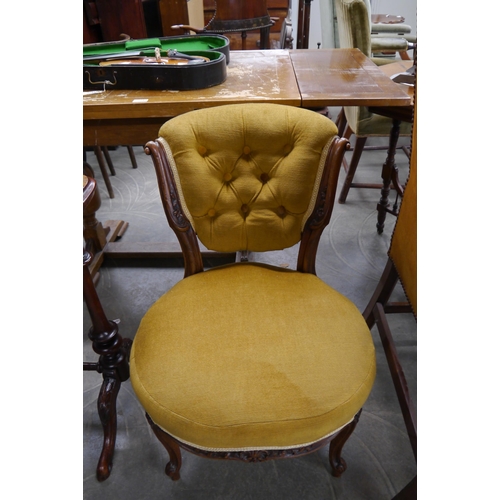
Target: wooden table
<point>306,78</point>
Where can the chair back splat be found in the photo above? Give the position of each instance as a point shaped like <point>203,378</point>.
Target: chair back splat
<point>249,361</point>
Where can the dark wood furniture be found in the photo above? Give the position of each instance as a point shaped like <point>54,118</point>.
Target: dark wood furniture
<point>113,351</point>
<point>278,11</point>
<point>109,20</point>
<point>179,220</point>
<point>390,172</point>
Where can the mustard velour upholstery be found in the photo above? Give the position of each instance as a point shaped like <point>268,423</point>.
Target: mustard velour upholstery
<point>249,356</point>
<point>259,187</point>
<point>403,248</point>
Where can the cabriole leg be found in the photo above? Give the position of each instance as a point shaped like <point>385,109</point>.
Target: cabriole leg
<point>106,407</point>
<point>174,452</point>
<point>336,461</point>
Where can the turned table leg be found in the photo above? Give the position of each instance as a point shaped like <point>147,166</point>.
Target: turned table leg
<point>389,170</point>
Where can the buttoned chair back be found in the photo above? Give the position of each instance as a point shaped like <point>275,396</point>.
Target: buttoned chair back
<point>260,176</point>
<point>248,360</point>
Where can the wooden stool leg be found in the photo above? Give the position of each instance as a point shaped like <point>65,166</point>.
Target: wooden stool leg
<point>108,160</point>
<point>356,155</point>
<point>132,156</point>
<point>102,165</point>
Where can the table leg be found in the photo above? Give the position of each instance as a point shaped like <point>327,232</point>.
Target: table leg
<point>389,172</point>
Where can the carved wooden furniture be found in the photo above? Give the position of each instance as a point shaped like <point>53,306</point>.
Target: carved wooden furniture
<point>401,266</point>
<point>271,14</point>
<point>113,351</point>
<point>249,361</point>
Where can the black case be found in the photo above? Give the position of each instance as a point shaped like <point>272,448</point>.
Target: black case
<point>158,77</point>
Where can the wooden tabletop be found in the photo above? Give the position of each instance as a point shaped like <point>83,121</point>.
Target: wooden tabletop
<point>252,76</point>
<point>308,78</point>
<point>343,77</point>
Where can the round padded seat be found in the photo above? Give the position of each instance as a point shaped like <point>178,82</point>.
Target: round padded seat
<point>249,356</point>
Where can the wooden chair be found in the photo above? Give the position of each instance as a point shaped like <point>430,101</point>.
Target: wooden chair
<point>105,162</point>
<point>249,361</point>
<point>113,351</point>
<point>355,32</point>
<point>401,266</point>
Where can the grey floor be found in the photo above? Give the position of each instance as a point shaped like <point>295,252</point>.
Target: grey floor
<point>351,257</point>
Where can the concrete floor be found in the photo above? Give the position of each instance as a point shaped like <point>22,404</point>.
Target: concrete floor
<point>351,258</point>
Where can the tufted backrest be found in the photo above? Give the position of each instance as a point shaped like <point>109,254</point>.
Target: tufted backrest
<point>354,24</point>
<point>247,175</point>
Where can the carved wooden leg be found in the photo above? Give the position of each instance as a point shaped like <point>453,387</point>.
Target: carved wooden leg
<point>387,175</point>
<point>106,406</point>
<point>174,452</point>
<point>336,461</point>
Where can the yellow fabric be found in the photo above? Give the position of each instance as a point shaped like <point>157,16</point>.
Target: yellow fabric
<point>252,356</point>
<point>403,249</point>
<point>258,178</point>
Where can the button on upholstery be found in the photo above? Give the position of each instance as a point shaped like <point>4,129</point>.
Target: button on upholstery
<point>281,211</point>
<point>245,209</point>
<point>264,177</point>
<point>246,150</point>
<point>287,148</point>
<point>202,150</point>
<point>227,176</point>
<point>211,212</point>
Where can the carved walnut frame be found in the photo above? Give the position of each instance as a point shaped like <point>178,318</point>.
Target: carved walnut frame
<point>188,241</point>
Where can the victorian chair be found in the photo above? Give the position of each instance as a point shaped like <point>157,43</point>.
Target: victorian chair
<point>401,266</point>
<point>248,361</point>
<point>355,32</point>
